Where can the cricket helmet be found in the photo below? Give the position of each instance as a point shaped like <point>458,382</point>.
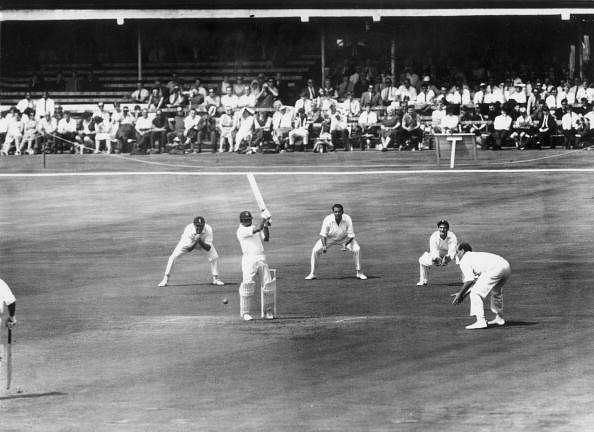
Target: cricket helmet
<point>245,216</point>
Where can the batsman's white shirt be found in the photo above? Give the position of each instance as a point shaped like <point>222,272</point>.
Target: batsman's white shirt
<point>337,233</point>
<point>438,247</point>
<point>189,237</point>
<point>253,260</point>
<point>6,296</point>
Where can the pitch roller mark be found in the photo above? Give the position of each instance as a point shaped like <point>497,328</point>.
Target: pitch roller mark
<point>299,173</point>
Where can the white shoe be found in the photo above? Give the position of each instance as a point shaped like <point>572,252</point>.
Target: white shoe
<point>361,276</point>
<point>310,276</point>
<point>422,283</point>
<point>163,282</point>
<point>247,317</point>
<point>217,281</point>
<point>479,324</point>
<point>269,315</point>
<point>497,321</point>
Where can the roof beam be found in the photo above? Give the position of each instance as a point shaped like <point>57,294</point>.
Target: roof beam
<point>376,14</point>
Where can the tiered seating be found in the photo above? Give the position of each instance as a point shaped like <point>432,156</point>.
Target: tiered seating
<point>118,80</point>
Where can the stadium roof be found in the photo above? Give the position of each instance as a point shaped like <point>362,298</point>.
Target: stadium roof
<point>55,10</point>
<point>292,4</point>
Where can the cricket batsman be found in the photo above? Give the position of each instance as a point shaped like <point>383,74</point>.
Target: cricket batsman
<point>442,249</point>
<point>199,235</point>
<point>253,262</point>
<point>483,273</point>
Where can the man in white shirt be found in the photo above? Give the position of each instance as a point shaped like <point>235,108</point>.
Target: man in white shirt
<point>8,301</point>
<point>253,263</point>
<point>67,132</point>
<point>229,99</point>
<point>337,229</point>
<point>226,129</point>
<point>46,129</point>
<point>44,106</point>
<point>501,129</point>
<point>143,126</point>
<point>245,129</point>
<point>140,95</point>
<point>25,103</point>
<point>200,234</point>
<point>443,246</point>
<point>482,273</point>
<point>570,122</point>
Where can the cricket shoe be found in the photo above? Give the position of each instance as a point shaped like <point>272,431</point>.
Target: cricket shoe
<point>163,282</point>
<point>361,276</point>
<point>217,281</point>
<point>479,324</point>
<point>310,276</point>
<point>247,317</point>
<point>497,321</point>
<point>422,283</point>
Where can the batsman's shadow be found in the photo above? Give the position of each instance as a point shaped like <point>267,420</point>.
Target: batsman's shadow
<point>32,395</point>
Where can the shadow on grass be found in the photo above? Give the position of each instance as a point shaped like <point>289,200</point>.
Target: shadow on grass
<point>519,323</point>
<point>31,395</point>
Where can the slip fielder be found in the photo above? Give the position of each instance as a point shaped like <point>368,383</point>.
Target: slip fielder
<point>198,235</point>
<point>442,249</point>
<point>337,229</point>
<point>483,273</point>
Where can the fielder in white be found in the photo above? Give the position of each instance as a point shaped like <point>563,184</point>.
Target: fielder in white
<point>483,273</point>
<point>8,301</point>
<point>198,233</point>
<point>253,262</point>
<point>443,245</point>
<point>337,229</point>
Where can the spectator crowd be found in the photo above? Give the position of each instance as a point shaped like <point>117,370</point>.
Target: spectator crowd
<point>355,109</point>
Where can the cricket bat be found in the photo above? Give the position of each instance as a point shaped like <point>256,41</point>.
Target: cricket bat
<point>8,356</point>
<point>258,195</point>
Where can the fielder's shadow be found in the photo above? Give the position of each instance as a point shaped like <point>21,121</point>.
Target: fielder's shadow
<point>32,395</point>
<point>519,323</point>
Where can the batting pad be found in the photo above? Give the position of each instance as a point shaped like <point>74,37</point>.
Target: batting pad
<point>268,297</point>
<point>246,291</point>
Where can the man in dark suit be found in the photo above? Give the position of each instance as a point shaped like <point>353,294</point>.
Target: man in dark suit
<point>547,126</point>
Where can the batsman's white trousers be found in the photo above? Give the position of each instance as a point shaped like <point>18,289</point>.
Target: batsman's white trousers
<point>212,255</point>
<point>353,247</point>
<point>252,265</point>
<point>489,282</point>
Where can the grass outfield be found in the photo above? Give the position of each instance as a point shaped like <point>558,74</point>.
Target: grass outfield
<point>100,348</point>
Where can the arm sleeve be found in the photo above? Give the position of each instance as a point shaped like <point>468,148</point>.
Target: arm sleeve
<point>208,235</point>
<point>453,247</point>
<point>434,245</point>
<point>324,230</point>
<point>245,232</point>
<point>350,230</point>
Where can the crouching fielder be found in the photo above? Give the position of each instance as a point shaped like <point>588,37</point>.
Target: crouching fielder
<point>337,228</point>
<point>483,273</point>
<point>253,262</point>
<point>442,249</point>
<point>198,233</point>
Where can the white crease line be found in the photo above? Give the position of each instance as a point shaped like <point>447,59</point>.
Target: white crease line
<point>300,173</point>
